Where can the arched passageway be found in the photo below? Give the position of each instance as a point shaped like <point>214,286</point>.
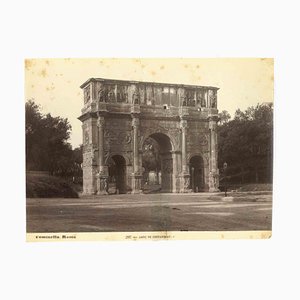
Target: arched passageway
<point>117,173</point>
<point>157,163</point>
<point>196,174</point>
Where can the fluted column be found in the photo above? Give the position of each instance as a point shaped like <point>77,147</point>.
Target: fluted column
<point>135,125</point>
<point>100,125</point>
<point>185,176</point>
<point>183,125</point>
<point>213,155</point>
<point>103,170</point>
<point>136,176</point>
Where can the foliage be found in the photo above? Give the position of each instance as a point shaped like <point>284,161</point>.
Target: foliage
<point>47,146</point>
<point>77,158</point>
<point>245,143</point>
<point>224,117</point>
<point>45,186</point>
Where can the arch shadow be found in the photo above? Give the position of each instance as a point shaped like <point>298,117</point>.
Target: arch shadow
<point>117,173</point>
<point>165,181</point>
<point>197,181</point>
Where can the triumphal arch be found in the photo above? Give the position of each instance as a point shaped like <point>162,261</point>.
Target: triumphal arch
<point>119,115</point>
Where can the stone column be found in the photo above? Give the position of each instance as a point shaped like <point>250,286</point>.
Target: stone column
<point>103,170</point>
<point>185,176</point>
<point>135,126</point>
<point>213,155</point>
<point>116,93</point>
<point>176,171</point>
<point>100,124</point>
<point>136,176</point>
<point>183,126</point>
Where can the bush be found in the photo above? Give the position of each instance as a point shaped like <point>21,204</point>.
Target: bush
<point>248,187</point>
<point>46,186</point>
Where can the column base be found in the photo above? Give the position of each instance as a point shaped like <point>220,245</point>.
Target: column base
<point>102,193</point>
<point>89,193</point>
<point>214,181</point>
<point>185,183</point>
<point>136,183</point>
<point>137,192</point>
<point>102,180</point>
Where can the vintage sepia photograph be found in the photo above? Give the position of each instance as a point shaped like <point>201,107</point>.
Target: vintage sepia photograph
<point>148,148</point>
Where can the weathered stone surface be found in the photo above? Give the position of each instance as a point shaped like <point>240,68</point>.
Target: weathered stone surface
<point>118,116</point>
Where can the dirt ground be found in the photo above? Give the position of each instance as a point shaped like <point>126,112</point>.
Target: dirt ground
<point>151,212</point>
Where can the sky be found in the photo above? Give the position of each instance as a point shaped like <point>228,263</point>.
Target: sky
<point>54,84</point>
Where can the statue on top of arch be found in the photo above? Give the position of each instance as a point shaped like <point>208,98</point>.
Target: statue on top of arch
<point>213,98</point>
<point>136,96</point>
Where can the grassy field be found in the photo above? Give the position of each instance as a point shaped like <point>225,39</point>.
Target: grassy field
<point>248,187</point>
<point>46,186</point>
<point>252,187</point>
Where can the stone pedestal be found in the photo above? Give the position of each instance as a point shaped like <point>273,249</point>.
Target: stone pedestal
<point>136,183</point>
<point>90,184</point>
<point>214,181</point>
<point>101,176</point>
<point>185,183</point>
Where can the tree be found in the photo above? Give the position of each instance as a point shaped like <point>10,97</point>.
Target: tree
<point>47,146</point>
<point>224,117</point>
<point>34,135</point>
<point>77,154</point>
<point>245,143</point>
<point>77,162</point>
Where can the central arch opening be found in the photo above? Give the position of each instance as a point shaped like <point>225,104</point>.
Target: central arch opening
<point>117,174</point>
<point>157,164</point>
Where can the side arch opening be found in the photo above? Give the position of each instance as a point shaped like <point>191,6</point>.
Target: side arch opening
<point>196,165</point>
<point>117,174</point>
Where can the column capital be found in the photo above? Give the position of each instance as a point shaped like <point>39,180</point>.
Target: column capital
<point>183,124</point>
<point>135,121</point>
<point>135,109</point>
<point>212,125</point>
<point>213,118</point>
